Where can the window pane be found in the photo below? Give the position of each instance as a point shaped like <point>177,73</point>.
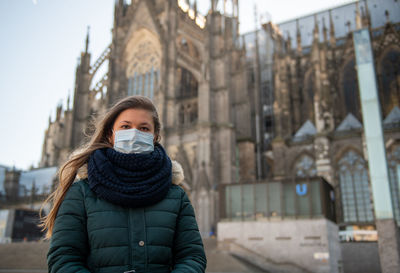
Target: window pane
<point>152,83</point>
<point>354,185</point>
<point>187,83</point>
<point>129,86</point>
<point>261,200</point>
<point>236,202</point>
<point>396,194</point>
<point>248,202</point>
<point>316,198</point>
<point>274,197</point>
<point>135,84</point>
<point>304,200</point>
<point>140,85</point>
<point>289,199</point>
<point>228,200</point>
<point>146,85</point>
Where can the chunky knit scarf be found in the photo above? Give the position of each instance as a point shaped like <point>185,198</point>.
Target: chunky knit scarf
<point>130,180</point>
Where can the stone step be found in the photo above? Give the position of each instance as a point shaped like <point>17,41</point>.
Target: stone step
<point>23,256</point>
<point>223,261</point>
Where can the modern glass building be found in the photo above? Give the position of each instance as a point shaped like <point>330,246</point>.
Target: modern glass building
<point>301,199</point>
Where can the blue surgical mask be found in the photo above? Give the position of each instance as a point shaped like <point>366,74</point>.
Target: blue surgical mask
<point>133,141</point>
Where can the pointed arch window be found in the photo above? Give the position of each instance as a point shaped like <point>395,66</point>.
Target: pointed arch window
<point>193,113</point>
<point>307,98</point>
<point>143,63</point>
<point>181,114</point>
<point>351,97</point>
<point>394,178</point>
<point>305,167</point>
<point>186,93</point>
<point>187,84</point>
<point>390,81</point>
<point>188,113</point>
<point>354,187</point>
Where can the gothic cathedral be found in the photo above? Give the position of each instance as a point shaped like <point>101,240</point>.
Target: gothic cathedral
<point>193,69</point>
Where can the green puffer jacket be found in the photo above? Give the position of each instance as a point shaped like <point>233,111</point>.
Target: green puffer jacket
<point>93,235</point>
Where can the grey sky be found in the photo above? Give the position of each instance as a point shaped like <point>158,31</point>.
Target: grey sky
<point>41,41</point>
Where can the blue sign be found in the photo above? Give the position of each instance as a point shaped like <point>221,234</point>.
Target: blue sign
<point>301,189</point>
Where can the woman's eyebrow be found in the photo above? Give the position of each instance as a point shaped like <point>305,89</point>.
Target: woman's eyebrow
<point>145,123</point>
<point>127,121</point>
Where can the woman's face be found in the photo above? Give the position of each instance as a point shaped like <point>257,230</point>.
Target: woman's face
<point>139,119</point>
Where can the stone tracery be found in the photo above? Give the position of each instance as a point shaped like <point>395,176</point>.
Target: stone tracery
<point>143,64</point>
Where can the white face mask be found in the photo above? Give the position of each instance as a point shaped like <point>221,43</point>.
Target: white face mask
<point>133,141</point>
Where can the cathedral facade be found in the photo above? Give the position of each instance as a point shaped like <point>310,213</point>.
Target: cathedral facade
<point>318,126</point>
<point>281,103</point>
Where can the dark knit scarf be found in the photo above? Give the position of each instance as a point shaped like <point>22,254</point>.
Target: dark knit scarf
<point>130,180</point>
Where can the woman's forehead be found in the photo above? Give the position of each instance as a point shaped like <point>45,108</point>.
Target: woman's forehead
<point>135,116</point>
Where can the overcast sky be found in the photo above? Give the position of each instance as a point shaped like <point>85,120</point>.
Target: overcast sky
<point>41,41</point>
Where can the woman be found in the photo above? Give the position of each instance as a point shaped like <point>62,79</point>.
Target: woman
<point>125,212</point>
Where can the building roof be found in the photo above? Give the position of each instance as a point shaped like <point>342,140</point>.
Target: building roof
<point>308,129</point>
<point>343,17</point>
<point>393,118</point>
<point>350,122</point>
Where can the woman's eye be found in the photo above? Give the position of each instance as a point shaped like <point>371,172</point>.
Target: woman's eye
<point>125,126</point>
<point>144,129</point>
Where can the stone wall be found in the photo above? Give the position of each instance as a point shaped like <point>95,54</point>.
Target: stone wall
<point>309,244</point>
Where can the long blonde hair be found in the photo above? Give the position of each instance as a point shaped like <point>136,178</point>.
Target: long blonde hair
<point>99,139</point>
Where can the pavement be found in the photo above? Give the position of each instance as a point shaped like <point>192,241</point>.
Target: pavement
<point>30,257</point>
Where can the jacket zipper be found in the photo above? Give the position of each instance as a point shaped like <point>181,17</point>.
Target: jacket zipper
<point>145,239</point>
<point>129,240</point>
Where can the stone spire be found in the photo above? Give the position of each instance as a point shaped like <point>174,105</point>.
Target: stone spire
<point>358,17</point>
<point>224,7</point>
<point>236,2</point>
<point>288,42</point>
<point>316,30</point>
<point>87,40</point>
<point>365,16</point>
<point>213,5</point>
<point>195,9</point>
<point>324,30</point>
<point>59,111</point>
<point>348,25</point>
<point>387,15</point>
<point>68,99</point>
<point>298,37</point>
<point>118,11</point>
<point>332,37</point>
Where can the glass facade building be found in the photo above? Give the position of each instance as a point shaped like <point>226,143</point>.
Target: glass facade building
<point>303,198</point>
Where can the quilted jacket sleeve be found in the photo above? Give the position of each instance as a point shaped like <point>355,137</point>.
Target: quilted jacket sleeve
<point>68,246</point>
<point>189,255</point>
